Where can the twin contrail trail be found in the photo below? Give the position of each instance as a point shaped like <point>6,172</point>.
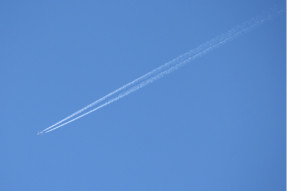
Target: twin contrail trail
<point>163,70</point>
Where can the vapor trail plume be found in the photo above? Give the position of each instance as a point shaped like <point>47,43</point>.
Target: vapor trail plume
<point>132,83</point>
<point>165,69</point>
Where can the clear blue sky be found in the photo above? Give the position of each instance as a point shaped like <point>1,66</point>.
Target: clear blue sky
<point>217,124</point>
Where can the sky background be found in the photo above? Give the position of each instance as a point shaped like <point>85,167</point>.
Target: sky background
<point>216,124</point>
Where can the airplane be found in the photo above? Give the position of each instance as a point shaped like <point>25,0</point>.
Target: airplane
<point>40,133</point>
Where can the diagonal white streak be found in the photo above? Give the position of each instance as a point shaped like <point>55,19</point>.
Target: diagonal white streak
<point>163,70</point>
<point>132,83</point>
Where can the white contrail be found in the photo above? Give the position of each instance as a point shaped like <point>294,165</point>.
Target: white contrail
<point>164,69</point>
<point>132,83</point>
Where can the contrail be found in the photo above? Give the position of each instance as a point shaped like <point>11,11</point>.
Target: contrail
<point>165,69</point>
<point>145,76</point>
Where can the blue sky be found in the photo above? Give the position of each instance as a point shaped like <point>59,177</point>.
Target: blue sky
<point>216,124</point>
